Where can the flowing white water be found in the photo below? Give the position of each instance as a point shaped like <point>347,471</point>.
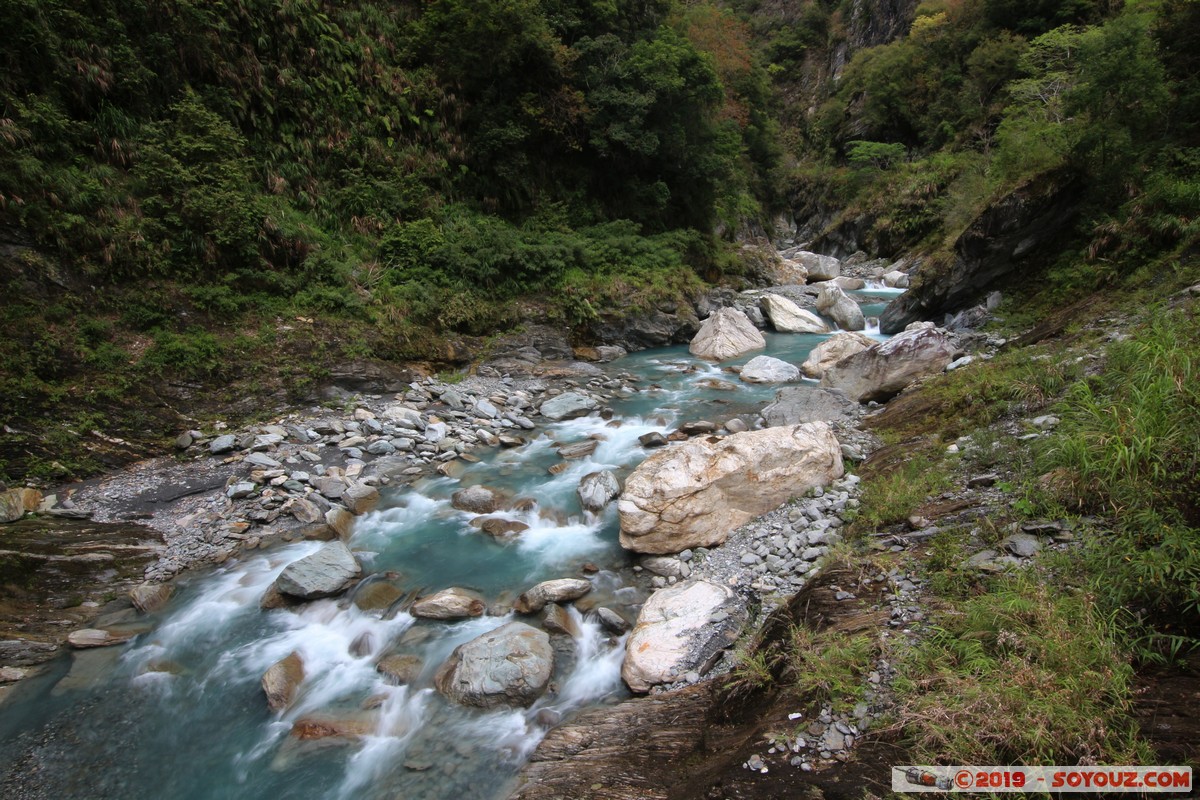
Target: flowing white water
<point>181,712</point>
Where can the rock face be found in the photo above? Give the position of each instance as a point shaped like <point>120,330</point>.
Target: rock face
<point>510,665</point>
<point>640,330</point>
<point>787,317</point>
<point>323,574</point>
<point>449,604</point>
<point>834,303</point>
<point>798,404</point>
<point>882,370</point>
<point>674,634</point>
<point>728,333</point>
<point>819,267</point>
<point>280,681</point>
<point>991,247</point>
<point>765,369</point>
<point>834,349</point>
<point>694,494</point>
<point>598,489</point>
<point>556,591</point>
<point>568,405</point>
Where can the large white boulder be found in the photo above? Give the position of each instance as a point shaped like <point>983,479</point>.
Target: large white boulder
<point>674,633</point>
<point>727,333</point>
<point>882,370</point>
<point>819,267</point>
<point>696,493</point>
<point>765,369</point>
<point>787,317</point>
<point>841,345</point>
<point>598,489</point>
<point>508,666</point>
<point>834,303</point>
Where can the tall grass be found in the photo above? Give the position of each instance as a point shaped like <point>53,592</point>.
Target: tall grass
<point>1020,675</point>
<point>1129,449</point>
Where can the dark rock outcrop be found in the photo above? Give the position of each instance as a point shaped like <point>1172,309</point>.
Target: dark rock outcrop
<point>996,245</point>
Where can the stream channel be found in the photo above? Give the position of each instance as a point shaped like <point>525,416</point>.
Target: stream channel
<point>178,711</point>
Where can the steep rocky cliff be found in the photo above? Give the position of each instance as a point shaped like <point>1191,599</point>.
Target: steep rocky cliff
<point>999,243</point>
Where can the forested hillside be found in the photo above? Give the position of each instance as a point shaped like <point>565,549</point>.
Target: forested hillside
<point>240,194</point>
<point>175,177</point>
<point>917,137</point>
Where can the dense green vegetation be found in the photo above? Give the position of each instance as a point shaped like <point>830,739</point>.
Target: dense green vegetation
<point>923,133</point>
<point>176,176</point>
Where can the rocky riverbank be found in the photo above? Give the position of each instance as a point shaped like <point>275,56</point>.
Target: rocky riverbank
<point>309,473</point>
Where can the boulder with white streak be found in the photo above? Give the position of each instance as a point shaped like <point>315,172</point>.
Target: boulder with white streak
<point>787,317</point>
<point>675,634</point>
<point>727,333</point>
<point>695,494</point>
<point>884,369</point>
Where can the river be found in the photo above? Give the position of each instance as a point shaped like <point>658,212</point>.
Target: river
<point>178,712</point>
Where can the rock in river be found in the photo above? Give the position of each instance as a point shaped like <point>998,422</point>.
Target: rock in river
<point>884,369</point>
<point>833,302</point>
<point>841,345</point>
<point>728,333</point>
<point>476,499</point>
<point>360,498</point>
<point>598,489</point>
<point>557,591</point>
<point>765,369</point>
<point>694,494</point>
<point>323,574</point>
<point>674,634</point>
<point>449,604</point>
<point>568,405</point>
<point>510,665</point>
<point>280,681</point>
<point>787,317</point>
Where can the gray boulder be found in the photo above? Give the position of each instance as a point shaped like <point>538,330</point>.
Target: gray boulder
<point>765,369</point>
<point>882,370</point>
<point>222,444</point>
<point>569,405</point>
<point>598,489</point>
<point>325,573</point>
<point>728,333</point>
<point>795,405</point>
<point>509,666</point>
<point>819,267</point>
<point>834,303</point>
